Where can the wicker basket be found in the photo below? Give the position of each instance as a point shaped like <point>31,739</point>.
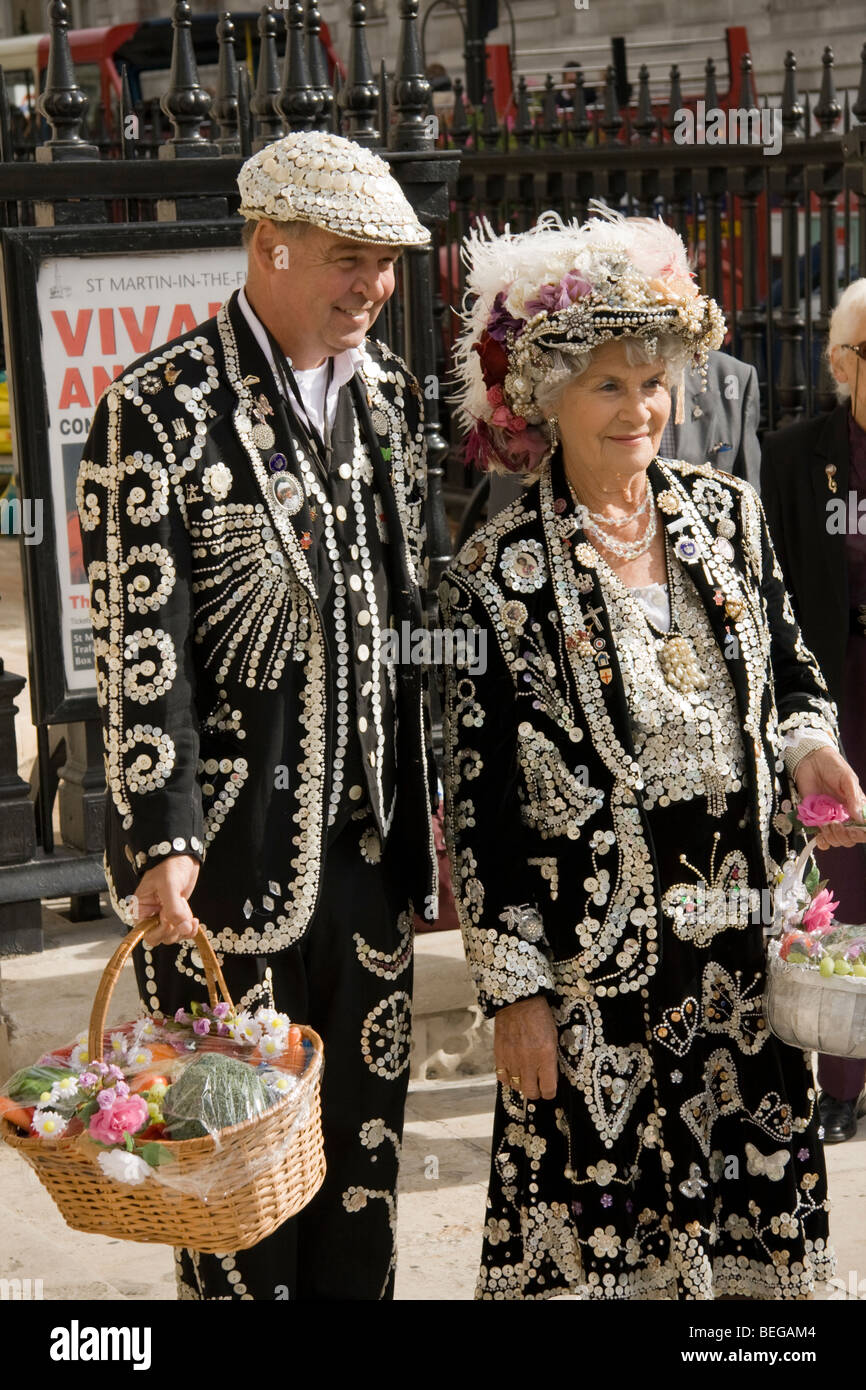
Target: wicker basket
<point>221,1193</point>
<point>819,1015</point>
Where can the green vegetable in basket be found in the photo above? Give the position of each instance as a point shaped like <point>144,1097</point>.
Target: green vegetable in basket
<point>210,1094</point>
<point>29,1084</point>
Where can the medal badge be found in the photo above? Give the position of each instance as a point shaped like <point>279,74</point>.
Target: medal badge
<point>263,436</point>
<point>688,549</point>
<point>287,493</point>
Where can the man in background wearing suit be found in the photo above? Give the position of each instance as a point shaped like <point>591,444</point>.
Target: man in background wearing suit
<point>813,476</point>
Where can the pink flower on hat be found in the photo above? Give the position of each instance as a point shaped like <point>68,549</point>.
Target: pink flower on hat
<point>562,295</point>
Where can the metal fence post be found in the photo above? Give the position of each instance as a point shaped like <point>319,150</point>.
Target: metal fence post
<point>187,105</point>
<point>317,68</point>
<point>268,121</point>
<point>425,181</point>
<point>298,102</point>
<point>226,103</point>
<point>360,95</point>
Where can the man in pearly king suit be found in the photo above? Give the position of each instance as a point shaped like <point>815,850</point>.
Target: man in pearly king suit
<point>252,505</point>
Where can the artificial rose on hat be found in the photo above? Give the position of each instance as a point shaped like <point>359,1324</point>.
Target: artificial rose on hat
<point>561,295</point>
<point>501,320</point>
<point>517,450</point>
<point>494,360</point>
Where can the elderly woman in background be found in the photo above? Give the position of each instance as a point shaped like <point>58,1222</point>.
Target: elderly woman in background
<point>615,796</point>
<point>808,473</point>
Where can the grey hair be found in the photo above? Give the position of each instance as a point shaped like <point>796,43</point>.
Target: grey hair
<point>850,311</point>
<point>290,230</point>
<point>566,367</point>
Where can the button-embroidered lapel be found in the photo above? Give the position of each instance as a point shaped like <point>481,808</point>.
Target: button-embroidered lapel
<point>245,364</point>
<point>724,594</point>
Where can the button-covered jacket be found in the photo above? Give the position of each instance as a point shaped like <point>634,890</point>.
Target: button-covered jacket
<point>213,675</point>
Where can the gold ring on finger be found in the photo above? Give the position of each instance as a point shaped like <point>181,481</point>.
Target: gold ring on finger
<point>515,1080</point>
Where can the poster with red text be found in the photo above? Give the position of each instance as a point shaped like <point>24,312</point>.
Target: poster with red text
<point>97,315</point>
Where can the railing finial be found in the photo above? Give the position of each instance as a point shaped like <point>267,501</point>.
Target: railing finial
<point>318,68</point>
<point>412,130</point>
<point>267,123</point>
<point>792,111</point>
<point>226,103</point>
<point>360,96</point>
<point>63,103</point>
<point>186,103</point>
<point>827,108</point>
<point>298,102</point>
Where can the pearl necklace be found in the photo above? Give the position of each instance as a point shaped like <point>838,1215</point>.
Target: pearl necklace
<point>624,550</point>
<point>615,522</point>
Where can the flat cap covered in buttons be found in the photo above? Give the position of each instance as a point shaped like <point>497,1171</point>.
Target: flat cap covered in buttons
<point>334,183</point>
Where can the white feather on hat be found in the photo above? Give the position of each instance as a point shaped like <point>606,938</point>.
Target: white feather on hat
<point>570,286</point>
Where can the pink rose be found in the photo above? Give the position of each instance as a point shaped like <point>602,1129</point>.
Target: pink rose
<point>818,916</point>
<point>125,1116</point>
<point>819,809</point>
<point>494,395</point>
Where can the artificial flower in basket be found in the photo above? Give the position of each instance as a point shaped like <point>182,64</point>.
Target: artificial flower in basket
<point>201,1130</point>
<point>129,1106</point>
<point>816,970</point>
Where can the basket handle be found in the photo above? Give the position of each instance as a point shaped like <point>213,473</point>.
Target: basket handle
<point>805,855</point>
<point>216,984</point>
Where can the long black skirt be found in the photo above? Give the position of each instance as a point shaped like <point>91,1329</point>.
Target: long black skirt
<point>681,1157</point>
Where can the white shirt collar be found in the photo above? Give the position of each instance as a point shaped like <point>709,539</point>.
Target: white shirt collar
<point>344,369</point>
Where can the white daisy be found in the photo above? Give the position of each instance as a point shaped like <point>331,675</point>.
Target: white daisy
<point>283,1085</point>
<point>48,1124</point>
<point>63,1090</point>
<point>244,1028</point>
<point>138,1057</point>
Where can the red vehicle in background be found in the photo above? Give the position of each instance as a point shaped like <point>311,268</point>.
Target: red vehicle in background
<point>145,48</point>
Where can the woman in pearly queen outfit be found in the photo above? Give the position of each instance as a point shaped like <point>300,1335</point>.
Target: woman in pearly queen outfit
<point>615,782</point>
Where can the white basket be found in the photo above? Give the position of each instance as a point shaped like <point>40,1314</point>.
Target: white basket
<point>819,1014</point>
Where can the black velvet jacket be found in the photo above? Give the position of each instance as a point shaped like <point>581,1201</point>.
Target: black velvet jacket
<point>213,674</point>
<point>539,754</point>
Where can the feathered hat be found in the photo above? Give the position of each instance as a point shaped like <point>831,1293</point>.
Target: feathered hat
<point>564,287</point>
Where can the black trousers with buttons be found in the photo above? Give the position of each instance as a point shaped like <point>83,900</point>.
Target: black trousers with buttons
<point>350,978</point>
